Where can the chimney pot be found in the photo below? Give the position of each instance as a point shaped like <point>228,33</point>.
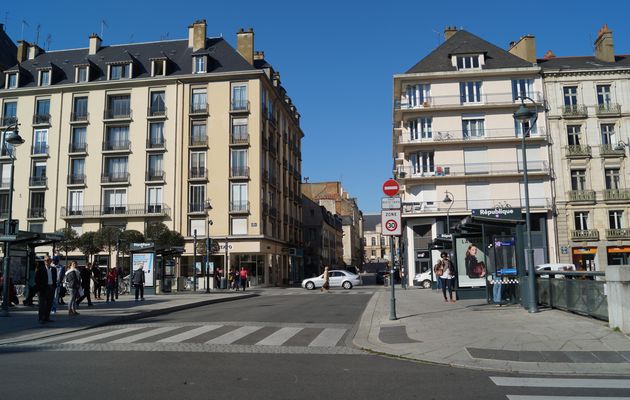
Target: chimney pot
<point>95,44</point>
<point>197,35</point>
<point>449,31</point>
<point>524,48</point>
<point>604,47</point>
<point>22,51</point>
<point>245,44</point>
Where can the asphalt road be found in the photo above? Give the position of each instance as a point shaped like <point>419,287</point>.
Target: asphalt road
<point>101,364</point>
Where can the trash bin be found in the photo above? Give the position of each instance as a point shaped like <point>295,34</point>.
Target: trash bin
<point>223,283</point>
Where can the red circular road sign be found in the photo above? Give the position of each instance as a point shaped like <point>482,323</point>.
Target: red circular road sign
<point>391,225</point>
<point>391,187</point>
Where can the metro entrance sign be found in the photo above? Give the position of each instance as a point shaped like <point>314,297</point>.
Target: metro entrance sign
<point>391,187</point>
<point>390,223</point>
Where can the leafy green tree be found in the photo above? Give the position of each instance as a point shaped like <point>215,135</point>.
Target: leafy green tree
<point>128,237</point>
<point>173,239</point>
<point>159,234</point>
<point>106,238</point>
<point>88,246</point>
<point>69,242</point>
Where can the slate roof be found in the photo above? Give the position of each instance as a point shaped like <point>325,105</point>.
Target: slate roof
<point>8,50</point>
<point>370,221</point>
<point>463,42</point>
<point>221,58</point>
<point>584,62</point>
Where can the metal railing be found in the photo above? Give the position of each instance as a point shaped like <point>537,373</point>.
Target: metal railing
<point>198,140</point>
<point>117,114</point>
<point>155,175</point>
<point>76,179</point>
<point>156,111</point>
<point>197,207</point>
<point>465,205</point>
<point>455,135</point>
<point>8,121</point>
<point>41,119</point>
<point>116,145</point>
<point>616,194</point>
<point>578,150</point>
<point>471,169</point>
<point>608,108</point>
<point>239,106</point>
<point>581,292</point>
<point>614,150</point>
<point>158,209</point>
<point>5,183</point>
<point>581,195</point>
<point>36,212</point>
<point>574,111</point>
<point>80,147</point>
<point>614,234</point>
<point>39,149</point>
<point>79,117</point>
<point>199,108</point>
<point>239,206</point>
<point>239,172</point>
<point>459,100</point>
<point>239,138</point>
<point>197,173</point>
<point>38,181</point>
<point>111,177</point>
<point>156,143</point>
<point>584,234</point>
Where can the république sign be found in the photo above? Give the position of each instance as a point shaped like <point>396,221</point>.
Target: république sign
<point>505,214</point>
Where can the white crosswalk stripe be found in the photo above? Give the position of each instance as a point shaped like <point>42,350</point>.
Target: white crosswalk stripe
<point>519,397</point>
<point>144,335</point>
<point>235,335</point>
<point>328,338</point>
<point>104,335</point>
<point>562,383</point>
<point>189,334</point>
<point>279,337</point>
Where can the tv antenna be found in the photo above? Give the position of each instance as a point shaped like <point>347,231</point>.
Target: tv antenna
<point>103,26</point>
<point>23,24</point>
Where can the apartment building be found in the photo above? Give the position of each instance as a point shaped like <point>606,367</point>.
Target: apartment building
<point>323,238</point>
<point>589,117</point>
<point>455,139</point>
<point>177,131</point>
<point>377,247</point>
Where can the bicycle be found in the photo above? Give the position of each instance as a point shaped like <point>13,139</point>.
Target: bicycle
<point>124,285</point>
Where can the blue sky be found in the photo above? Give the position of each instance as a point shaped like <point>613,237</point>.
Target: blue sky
<point>336,58</point>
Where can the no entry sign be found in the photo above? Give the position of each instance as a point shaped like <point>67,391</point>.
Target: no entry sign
<point>390,223</point>
<point>391,187</point>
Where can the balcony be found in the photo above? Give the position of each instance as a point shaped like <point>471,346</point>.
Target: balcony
<point>115,177</point>
<point>471,169</point>
<point>117,115</point>
<point>116,145</point>
<point>434,102</point>
<point>437,207</point>
<point>239,172</point>
<point>153,175</point>
<point>39,149</point>
<point>194,208</point>
<point>612,150</point>
<point>608,110</point>
<point>198,141</point>
<point>506,135</point>
<point>581,196</point>
<point>613,195</point>
<point>38,181</point>
<point>239,106</point>
<point>237,207</point>
<point>156,143</point>
<point>41,119</point>
<point>239,139</point>
<point>574,111</point>
<point>578,151</point>
<point>80,117</point>
<point>156,111</point>
<point>36,213</point>
<point>197,173</point>
<point>617,234</point>
<point>8,121</point>
<point>138,210</point>
<point>5,183</point>
<point>80,147</point>
<point>581,235</point>
<point>76,179</point>
<point>199,109</point>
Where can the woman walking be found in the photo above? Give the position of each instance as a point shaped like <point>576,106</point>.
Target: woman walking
<point>73,285</point>
<point>326,285</point>
<point>448,277</point>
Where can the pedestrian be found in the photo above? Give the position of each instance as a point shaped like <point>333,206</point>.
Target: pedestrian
<point>138,282</point>
<point>438,270</point>
<point>45,280</point>
<point>97,278</point>
<point>73,285</point>
<point>231,279</point>
<point>61,272</point>
<point>110,284</point>
<point>403,278</point>
<point>497,286</point>
<point>447,277</point>
<point>326,285</point>
<point>86,279</point>
<point>243,278</point>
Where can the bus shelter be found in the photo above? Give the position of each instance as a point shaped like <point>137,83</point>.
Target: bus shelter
<point>159,265</point>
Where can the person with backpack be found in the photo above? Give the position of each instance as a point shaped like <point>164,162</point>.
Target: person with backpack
<point>446,273</point>
<point>138,282</point>
<point>73,285</point>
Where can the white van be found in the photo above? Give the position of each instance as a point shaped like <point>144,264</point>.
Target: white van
<point>423,279</point>
<point>555,267</point>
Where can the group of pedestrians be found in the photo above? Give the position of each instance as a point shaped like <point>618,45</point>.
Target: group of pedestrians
<point>238,279</point>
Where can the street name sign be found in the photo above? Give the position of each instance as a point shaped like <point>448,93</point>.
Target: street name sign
<point>390,223</point>
<point>391,203</point>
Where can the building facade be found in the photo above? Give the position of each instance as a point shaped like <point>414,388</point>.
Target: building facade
<point>179,132</point>
<point>457,147</point>
<point>377,247</point>
<point>589,116</point>
<point>323,238</point>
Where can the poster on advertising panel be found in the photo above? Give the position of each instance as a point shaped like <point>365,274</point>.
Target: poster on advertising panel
<point>471,262</point>
<point>145,260</point>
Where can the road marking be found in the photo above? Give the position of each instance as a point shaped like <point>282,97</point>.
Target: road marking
<point>562,383</point>
<point>144,335</point>
<point>234,335</point>
<point>65,336</point>
<point>103,335</point>
<point>328,338</point>
<point>519,397</point>
<point>189,334</point>
<point>279,337</point>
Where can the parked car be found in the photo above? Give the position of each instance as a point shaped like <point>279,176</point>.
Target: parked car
<point>337,278</point>
<point>555,267</point>
<point>423,280</point>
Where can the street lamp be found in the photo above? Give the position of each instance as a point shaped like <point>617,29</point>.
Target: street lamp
<point>450,200</point>
<point>208,245</point>
<point>11,136</point>
<point>525,115</point>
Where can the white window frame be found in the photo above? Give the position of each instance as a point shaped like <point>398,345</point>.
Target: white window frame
<point>125,67</point>
<point>618,219</point>
<point>522,87</point>
<point>200,64</point>
<point>418,95</point>
<point>468,61</point>
<point>580,219</point>
<point>119,196</point>
<point>154,64</point>
<point>40,77</point>
<point>155,195</point>
<point>77,73</point>
<point>569,94</point>
<point>15,84</point>
<point>608,136</point>
<point>421,128</point>
<point>199,225</point>
<point>471,90</point>
<point>604,98</point>
<point>75,201</point>
<point>473,127</point>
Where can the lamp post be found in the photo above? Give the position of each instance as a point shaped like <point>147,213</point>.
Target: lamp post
<point>525,115</point>
<point>450,200</point>
<point>208,207</point>
<point>11,136</point>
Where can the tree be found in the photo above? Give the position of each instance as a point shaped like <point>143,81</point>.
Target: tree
<point>106,238</point>
<point>173,239</point>
<point>159,234</point>
<point>88,246</point>
<point>69,242</point>
<point>128,237</point>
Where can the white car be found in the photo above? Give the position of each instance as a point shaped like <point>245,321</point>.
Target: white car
<point>423,280</point>
<point>337,278</point>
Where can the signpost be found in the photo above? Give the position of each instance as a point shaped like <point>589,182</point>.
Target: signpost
<point>390,223</point>
<point>391,226</point>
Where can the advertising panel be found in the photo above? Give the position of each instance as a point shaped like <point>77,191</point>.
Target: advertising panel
<point>145,260</point>
<point>471,262</point>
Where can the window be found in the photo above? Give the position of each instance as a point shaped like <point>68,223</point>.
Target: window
<point>36,227</point>
<point>613,179</point>
<point>581,220</point>
<point>115,201</point>
<point>470,92</point>
<point>12,80</point>
<point>78,138</point>
<point>75,202</point>
<point>382,241</point>
<point>197,198</point>
<point>37,206</point>
<point>44,77</point>
<point>418,95</point>
<point>608,134</point>
<point>615,219</point>
<point>373,241</point>
<point>80,109</point>
<point>570,97</point>
<point>239,97</point>
<point>158,106</point>
<point>156,134</point>
<point>238,162</point>
<point>239,201</point>
<point>198,227</point>
<point>421,128</point>
<point>158,67</point>
<point>42,109</point>
<point>9,113</point>
<point>578,179</point>
<point>198,133</point>
<point>473,128</point>
<point>239,226</point>
<point>81,73</point>
<point>199,100</point>
<point>5,174</point>
<point>155,168</point>
<point>117,138</point>
<point>154,199</point>
<point>118,106</point>
<point>422,163</point>
<point>604,97</point>
<point>120,71</point>
<point>197,164</point>
<point>40,141</point>
<point>468,62</point>
<point>199,63</point>
<point>522,87</point>
<point>573,135</point>
<point>239,130</point>
<point>77,228</point>
<point>77,170</point>
<point>116,169</point>
<point>523,127</point>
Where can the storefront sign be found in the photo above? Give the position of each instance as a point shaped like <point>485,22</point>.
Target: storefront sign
<point>140,246</point>
<point>623,249</point>
<point>585,250</point>
<point>502,214</point>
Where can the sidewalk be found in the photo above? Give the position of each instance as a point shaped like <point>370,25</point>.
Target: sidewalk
<point>474,334</point>
<point>22,324</point>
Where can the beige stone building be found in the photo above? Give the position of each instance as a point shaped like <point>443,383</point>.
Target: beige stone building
<point>179,131</point>
<point>589,117</point>
<point>377,247</point>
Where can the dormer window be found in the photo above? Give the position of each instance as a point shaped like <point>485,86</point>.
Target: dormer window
<point>12,80</point>
<point>158,67</point>
<point>119,71</point>
<point>199,64</point>
<point>472,61</point>
<point>44,77</point>
<point>82,73</point>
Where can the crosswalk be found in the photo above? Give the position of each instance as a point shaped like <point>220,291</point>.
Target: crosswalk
<point>616,389</point>
<point>297,292</point>
<point>210,337</point>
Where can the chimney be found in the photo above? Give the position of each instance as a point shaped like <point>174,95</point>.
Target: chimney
<point>276,79</point>
<point>95,44</point>
<point>604,49</point>
<point>22,51</point>
<point>259,55</point>
<point>524,48</point>
<point>548,55</point>
<point>245,44</point>
<point>33,51</point>
<point>449,31</point>
<point>197,35</point>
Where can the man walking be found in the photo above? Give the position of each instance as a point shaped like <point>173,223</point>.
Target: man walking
<point>138,282</point>
<point>86,277</point>
<point>58,295</point>
<point>45,281</point>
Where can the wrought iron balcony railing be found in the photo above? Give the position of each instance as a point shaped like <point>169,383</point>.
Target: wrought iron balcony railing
<point>239,106</point>
<point>608,108</point>
<point>76,179</point>
<point>585,235</point>
<point>199,108</point>
<point>469,169</point>
<point>116,145</point>
<point>462,135</point>
<point>574,111</point>
<point>156,111</point>
<point>239,138</point>
<point>41,119</point>
<point>197,173</point>
<point>38,181</point>
<point>156,143</point>
<point>115,177</point>
<point>36,212</point>
<point>239,206</point>
<point>158,209</point>
<point>154,175</point>
<point>431,102</point>
<point>198,140</point>
<point>617,195</point>
<point>79,117</point>
<point>39,149</point>
<point>581,195</point>
<point>616,234</point>
<point>578,150</point>
<point>8,121</point>
<point>239,172</point>
<point>117,114</point>
<point>612,150</point>
<point>79,147</point>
